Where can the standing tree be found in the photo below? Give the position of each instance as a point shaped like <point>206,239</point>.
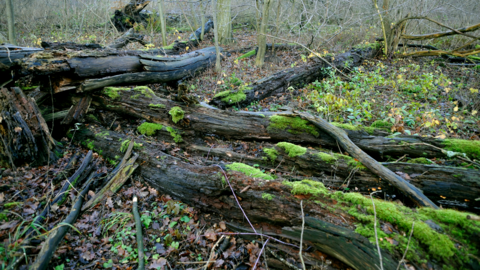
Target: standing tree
<point>261,38</point>
<point>163,22</point>
<point>224,21</point>
<point>11,21</point>
<point>215,31</point>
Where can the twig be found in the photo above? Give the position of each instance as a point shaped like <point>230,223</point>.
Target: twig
<point>301,237</point>
<point>212,253</point>
<point>260,254</point>
<point>406,249</point>
<point>283,260</point>
<point>375,229</point>
<point>138,226</point>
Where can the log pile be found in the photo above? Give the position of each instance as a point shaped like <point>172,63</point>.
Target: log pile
<point>337,223</point>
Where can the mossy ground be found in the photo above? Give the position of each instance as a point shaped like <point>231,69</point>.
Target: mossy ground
<point>175,135</point>
<point>177,114</point>
<point>294,125</point>
<point>112,92</point>
<point>249,171</point>
<point>327,157</point>
<point>420,160</point>
<point>161,106</point>
<point>426,243</point>
<point>149,129</point>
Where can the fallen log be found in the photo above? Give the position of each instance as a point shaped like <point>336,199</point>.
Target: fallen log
<point>273,206</point>
<point>293,77</point>
<point>268,126</point>
<point>65,70</point>
<point>451,187</point>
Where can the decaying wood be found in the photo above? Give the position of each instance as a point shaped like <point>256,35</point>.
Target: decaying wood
<point>328,231</point>
<point>78,111</point>
<point>444,185</point>
<point>342,138</point>
<point>296,77</point>
<point>130,14</point>
<point>24,133</point>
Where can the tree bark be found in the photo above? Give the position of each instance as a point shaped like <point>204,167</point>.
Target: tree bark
<point>11,21</point>
<point>261,38</point>
<point>224,22</point>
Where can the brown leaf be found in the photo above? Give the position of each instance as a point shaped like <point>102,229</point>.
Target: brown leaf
<point>109,202</point>
<point>222,225</point>
<point>9,225</point>
<point>210,235</point>
<point>158,264</point>
<point>2,197</point>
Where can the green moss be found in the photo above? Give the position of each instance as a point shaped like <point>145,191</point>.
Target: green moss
<point>168,47</point>
<point>12,204</point>
<point>3,216</point>
<point>267,196</point>
<point>471,148</point>
<point>144,90</point>
<point>249,171</point>
<point>374,45</point>
<point>231,97</point>
<point>102,134</point>
<point>149,128</point>
<point>151,105</point>
<point>272,153</point>
<point>420,160</point>
<point>90,145</point>
<point>248,54</point>
<point>326,157</point>
<point>92,118</point>
<point>177,114</point>
<point>291,149</point>
<point>381,124</point>
<point>125,144</point>
<point>29,87</point>
<point>176,137</point>
<point>294,125</point>
<point>112,92</point>
<point>307,187</point>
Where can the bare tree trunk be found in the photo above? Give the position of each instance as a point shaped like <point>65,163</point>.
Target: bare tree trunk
<point>11,22</point>
<point>163,22</point>
<point>224,21</point>
<point>261,38</point>
<point>215,28</point>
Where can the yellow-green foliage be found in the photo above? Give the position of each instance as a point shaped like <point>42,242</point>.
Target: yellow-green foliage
<point>176,137</point>
<point>267,196</point>
<point>144,90</point>
<point>471,148</point>
<point>420,160</point>
<point>294,125</point>
<point>231,98</point>
<point>381,124</point>
<point>177,114</point>
<point>272,153</point>
<point>156,106</point>
<point>149,128</point>
<point>291,149</point>
<point>306,187</point>
<point>248,54</point>
<point>112,92</point>
<point>249,171</point>
<point>327,157</point>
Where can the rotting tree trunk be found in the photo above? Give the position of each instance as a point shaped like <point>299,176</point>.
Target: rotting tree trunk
<point>89,70</point>
<point>296,77</point>
<point>125,18</point>
<point>266,126</point>
<point>330,231</point>
<point>25,137</point>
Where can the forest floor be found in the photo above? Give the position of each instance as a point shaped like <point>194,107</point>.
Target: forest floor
<point>424,97</point>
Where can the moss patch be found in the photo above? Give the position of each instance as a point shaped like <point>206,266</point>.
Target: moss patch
<point>420,160</point>
<point>161,106</point>
<point>248,54</point>
<point>112,92</point>
<point>294,125</point>
<point>144,90</point>
<point>272,153</point>
<point>267,196</point>
<point>176,137</point>
<point>307,187</point>
<point>471,148</point>
<point>231,97</point>
<point>381,124</point>
<point>125,143</point>
<point>177,114</point>
<point>291,149</point>
<point>249,171</point>
<point>149,128</point>
<point>327,157</point>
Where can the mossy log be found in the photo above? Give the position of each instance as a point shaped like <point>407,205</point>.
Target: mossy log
<point>294,77</point>
<point>268,126</point>
<point>338,224</point>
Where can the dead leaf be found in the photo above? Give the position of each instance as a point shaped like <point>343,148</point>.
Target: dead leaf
<point>109,202</point>
<point>18,129</point>
<point>2,197</point>
<point>222,225</point>
<point>9,225</point>
<point>158,264</point>
<point>210,235</point>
